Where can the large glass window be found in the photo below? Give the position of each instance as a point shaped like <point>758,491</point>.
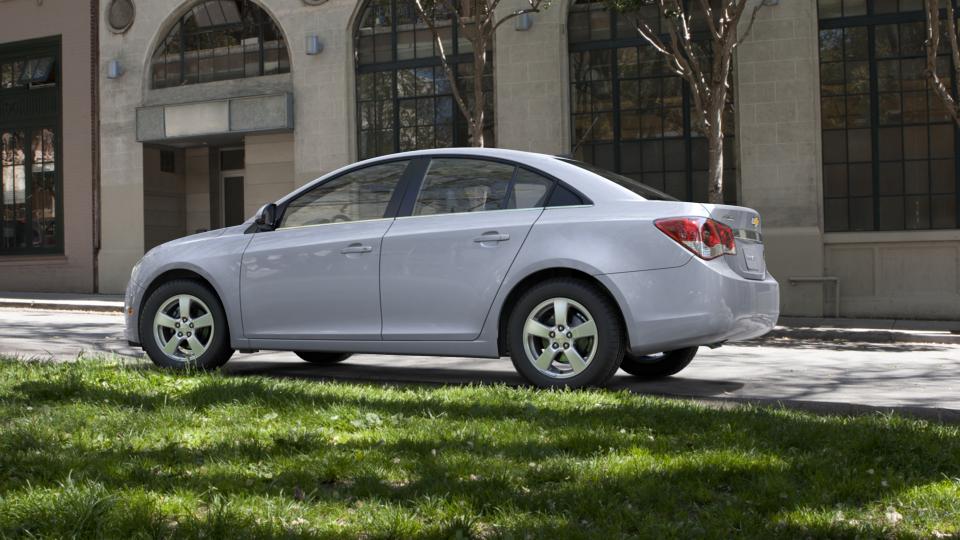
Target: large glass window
<point>30,187</point>
<point>218,40</point>
<point>889,145</point>
<point>404,99</point>
<point>355,196</point>
<point>630,113</point>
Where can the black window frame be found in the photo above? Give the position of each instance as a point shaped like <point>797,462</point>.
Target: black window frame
<point>24,50</point>
<point>262,20</point>
<point>393,67</point>
<point>689,134</point>
<point>871,20</point>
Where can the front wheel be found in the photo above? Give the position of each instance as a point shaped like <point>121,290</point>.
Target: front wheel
<point>183,325</point>
<point>322,357</point>
<point>658,365</point>
<point>566,333</point>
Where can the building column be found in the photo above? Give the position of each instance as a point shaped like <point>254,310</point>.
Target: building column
<point>530,74</point>
<point>778,133</point>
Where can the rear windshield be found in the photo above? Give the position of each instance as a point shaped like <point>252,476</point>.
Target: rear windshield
<point>635,186</point>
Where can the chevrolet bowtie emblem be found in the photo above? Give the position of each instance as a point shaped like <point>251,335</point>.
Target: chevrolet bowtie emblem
<point>755,221</point>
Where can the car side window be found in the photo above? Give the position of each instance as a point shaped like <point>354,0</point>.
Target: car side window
<point>355,196</point>
<point>529,190</point>
<point>458,185</point>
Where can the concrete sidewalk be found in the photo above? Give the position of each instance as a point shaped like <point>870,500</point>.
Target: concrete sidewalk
<point>789,328</point>
<point>110,303</point>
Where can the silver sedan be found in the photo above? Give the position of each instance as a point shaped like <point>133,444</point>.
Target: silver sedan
<point>571,271</point>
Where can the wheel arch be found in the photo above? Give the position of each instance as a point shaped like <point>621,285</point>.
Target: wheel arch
<point>185,274</point>
<point>543,275</point>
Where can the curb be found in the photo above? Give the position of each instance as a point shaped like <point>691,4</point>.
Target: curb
<point>98,307</point>
<point>862,336</point>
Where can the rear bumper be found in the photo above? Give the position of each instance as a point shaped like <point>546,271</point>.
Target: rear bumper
<point>699,303</point>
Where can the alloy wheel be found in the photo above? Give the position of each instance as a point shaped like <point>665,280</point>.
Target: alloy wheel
<point>560,338</point>
<point>183,327</point>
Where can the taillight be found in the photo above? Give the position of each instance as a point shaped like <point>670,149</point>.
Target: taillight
<point>706,238</point>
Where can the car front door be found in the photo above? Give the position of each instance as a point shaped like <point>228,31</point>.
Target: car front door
<point>443,262</point>
<point>316,276</point>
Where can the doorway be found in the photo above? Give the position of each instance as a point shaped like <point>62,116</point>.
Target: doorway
<point>231,181</point>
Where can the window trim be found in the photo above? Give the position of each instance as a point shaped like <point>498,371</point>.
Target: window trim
<point>19,50</point>
<point>870,22</point>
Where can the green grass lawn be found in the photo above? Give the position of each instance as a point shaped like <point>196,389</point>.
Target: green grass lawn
<point>105,449</point>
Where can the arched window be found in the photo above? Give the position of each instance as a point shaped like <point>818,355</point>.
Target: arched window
<point>218,40</point>
<point>630,114</point>
<point>404,100</point>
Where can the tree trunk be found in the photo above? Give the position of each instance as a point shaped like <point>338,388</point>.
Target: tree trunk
<point>476,122</point>
<point>715,153</point>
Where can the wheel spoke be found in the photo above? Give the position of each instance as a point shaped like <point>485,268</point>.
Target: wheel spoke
<point>545,359</point>
<point>584,330</point>
<point>185,306</point>
<point>536,329</point>
<point>196,348</point>
<point>576,361</point>
<point>165,320</point>
<point>203,321</point>
<point>171,346</point>
<point>560,307</point>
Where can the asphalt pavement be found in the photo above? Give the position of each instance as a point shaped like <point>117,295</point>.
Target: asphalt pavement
<point>806,372</point>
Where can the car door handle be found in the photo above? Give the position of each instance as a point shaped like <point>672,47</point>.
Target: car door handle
<point>356,248</point>
<point>491,237</point>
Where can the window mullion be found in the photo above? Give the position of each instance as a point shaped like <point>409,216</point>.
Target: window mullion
<point>874,124</point>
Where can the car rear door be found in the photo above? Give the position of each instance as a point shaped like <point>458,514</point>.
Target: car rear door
<point>317,275</point>
<point>446,255</point>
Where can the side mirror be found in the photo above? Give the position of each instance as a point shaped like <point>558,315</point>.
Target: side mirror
<point>267,217</point>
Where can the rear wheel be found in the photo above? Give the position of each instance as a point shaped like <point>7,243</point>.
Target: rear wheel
<point>565,333</point>
<point>322,357</point>
<point>659,365</point>
<point>183,325</point>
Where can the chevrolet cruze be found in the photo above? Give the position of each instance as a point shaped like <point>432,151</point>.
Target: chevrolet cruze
<point>572,271</point>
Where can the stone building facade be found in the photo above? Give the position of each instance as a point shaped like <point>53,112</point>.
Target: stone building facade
<point>48,145</point>
<point>824,139</point>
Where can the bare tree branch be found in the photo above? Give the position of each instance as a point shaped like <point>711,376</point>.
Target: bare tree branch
<point>708,83</point>
<point>933,47</point>
<point>451,77</point>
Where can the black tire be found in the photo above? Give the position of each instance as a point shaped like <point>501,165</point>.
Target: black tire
<point>656,367</point>
<point>610,334</point>
<point>315,357</point>
<point>218,349</point>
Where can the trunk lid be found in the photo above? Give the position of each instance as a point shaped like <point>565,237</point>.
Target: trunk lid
<point>745,222</point>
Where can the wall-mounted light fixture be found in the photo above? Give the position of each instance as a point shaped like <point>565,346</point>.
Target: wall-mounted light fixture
<point>114,69</point>
<point>524,22</point>
<point>314,46</point>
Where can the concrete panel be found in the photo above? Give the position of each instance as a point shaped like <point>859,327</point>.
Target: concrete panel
<point>796,252</point>
<point>917,270</point>
<point>261,113</point>
<point>855,266</point>
<point>150,124</point>
<point>197,119</point>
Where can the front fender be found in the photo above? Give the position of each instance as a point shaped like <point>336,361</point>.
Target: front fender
<point>215,260</point>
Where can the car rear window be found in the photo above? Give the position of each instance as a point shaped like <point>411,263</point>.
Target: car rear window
<point>635,186</point>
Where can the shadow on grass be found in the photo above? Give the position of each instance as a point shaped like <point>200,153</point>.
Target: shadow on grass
<point>567,466</point>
